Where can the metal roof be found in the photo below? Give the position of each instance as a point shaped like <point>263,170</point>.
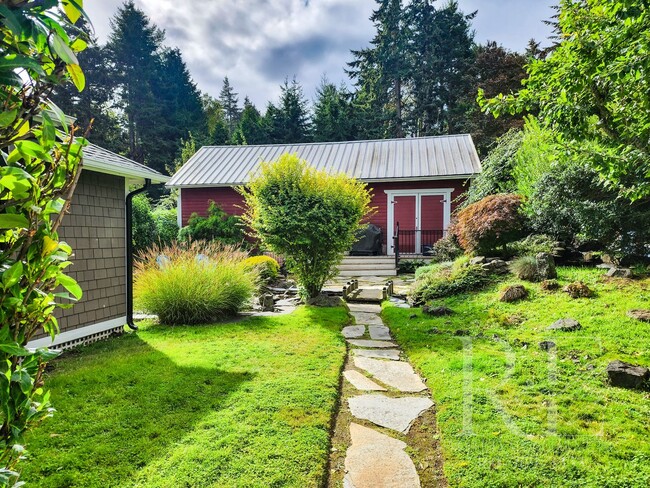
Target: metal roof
<point>388,159</point>
<point>97,158</point>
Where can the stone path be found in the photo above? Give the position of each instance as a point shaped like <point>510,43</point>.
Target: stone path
<point>388,397</point>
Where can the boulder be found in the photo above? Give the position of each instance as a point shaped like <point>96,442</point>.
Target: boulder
<point>565,325</point>
<point>619,273</point>
<point>578,289</point>
<point>496,266</point>
<point>547,345</point>
<point>545,266</point>
<point>513,293</point>
<point>477,260</point>
<point>436,311</point>
<point>627,375</point>
<point>642,315</point>
<point>267,302</point>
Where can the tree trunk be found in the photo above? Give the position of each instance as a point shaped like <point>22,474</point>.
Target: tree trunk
<point>399,130</point>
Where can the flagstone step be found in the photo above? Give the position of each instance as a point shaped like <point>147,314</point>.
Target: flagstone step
<point>361,382</point>
<point>392,354</point>
<point>371,344</point>
<point>397,374</point>
<point>393,413</point>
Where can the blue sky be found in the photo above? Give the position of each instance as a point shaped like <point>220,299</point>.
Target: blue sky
<point>257,43</point>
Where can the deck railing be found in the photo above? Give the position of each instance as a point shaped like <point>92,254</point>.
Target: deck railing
<point>412,243</point>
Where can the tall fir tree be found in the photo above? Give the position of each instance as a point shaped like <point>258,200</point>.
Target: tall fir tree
<point>217,130</point>
<point>289,121</point>
<point>441,56</point>
<point>230,104</point>
<point>134,45</point>
<point>251,128</point>
<point>332,118</point>
<point>386,60</point>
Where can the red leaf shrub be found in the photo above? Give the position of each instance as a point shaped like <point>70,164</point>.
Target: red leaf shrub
<point>488,225</point>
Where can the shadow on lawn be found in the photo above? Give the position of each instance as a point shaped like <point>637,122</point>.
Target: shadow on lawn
<point>120,405</point>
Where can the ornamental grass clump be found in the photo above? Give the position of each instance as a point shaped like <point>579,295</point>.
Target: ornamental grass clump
<point>193,283</point>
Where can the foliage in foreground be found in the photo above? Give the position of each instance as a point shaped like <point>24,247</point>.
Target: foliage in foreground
<point>487,226</point>
<point>308,216</point>
<point>193,283</point>
<point>38,175</point>
<point>228,405</point>
<point>511,414</point>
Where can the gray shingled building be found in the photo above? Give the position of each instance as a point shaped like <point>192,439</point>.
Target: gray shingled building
<point>96,230</point>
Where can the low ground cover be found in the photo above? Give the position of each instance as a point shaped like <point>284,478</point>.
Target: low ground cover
<point>512,414</point>
<point>245,404</point>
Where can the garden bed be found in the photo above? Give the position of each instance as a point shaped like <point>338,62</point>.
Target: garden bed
<point>513,414</point>
<point>240,404</point>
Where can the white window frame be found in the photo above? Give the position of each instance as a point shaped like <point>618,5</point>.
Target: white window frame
<point>418,194</point>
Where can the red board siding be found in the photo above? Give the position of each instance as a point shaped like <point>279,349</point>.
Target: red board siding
<point>198,199</point>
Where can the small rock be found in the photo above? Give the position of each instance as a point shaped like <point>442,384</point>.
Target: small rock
<point>413,316</point>
<point>436,311</point>
<point>477,260</point>
<point>513,293</point>
<point>546,266</point>
<point>642,315</point>
<point>434,330</point>
<point>627,375</point>
<point>565,325</point>
<point>619,273</point>
<point>578,289</point>
<point>549,285</point>
<point>547,345</point>
<point>605,266</point>
<point>462,333</point>
<point>496,266</point>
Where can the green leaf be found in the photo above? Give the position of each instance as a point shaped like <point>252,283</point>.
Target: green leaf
<point>46,354</point>
<point>62,50</point>
<point>7,118</point>
<point>77,76</point>
<point>12,275</point>
<point>14,349</point>
<point>13,221</point>
<point>71,285</point>
<point>24,379</point>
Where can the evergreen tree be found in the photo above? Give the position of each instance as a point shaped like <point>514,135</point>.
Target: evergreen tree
<point>134,46</point>
<point>95,102</point>
<point>251,128</point>
<point>332,120</point>
<point>496,71</point>
<point>441,56</point>
<point>386,59</point>
<point>230,105</point>
<point>289,121</point>
<point>217,125</point>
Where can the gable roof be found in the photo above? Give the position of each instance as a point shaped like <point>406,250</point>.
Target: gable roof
<point>102,160</point>
<point>441,157</point>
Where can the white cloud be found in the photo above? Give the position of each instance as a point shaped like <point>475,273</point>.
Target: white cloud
<point>257,43</point>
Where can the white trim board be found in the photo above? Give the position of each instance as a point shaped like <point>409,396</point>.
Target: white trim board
<point>418,194</point>
<point>79,333</point>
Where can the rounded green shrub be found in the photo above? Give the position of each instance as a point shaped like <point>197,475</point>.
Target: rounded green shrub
<point>446,280</point>
<point>194,283</point>
<point>267,267</point>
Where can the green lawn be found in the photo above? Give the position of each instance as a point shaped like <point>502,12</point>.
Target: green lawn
<point>511,414</point>
<point>246,404</point>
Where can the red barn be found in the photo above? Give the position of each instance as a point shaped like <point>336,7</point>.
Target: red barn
<point>415,182</point>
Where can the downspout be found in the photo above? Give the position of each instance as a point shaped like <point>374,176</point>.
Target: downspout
<point>129,252</point>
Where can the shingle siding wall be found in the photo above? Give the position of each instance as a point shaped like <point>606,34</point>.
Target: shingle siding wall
<point>95,228</point>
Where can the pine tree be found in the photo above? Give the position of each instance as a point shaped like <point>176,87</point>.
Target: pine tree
<point>217,125</point>
<point>386,58</point>
<point>230,105</point>
<point>332,119</point>
<point>442,54</point>
<point>95,102</point>
<point>251,128</point>
<point>289,121</point>
<point>134,46</point>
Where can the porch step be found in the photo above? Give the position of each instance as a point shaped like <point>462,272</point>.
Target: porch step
<point>367,266</point>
